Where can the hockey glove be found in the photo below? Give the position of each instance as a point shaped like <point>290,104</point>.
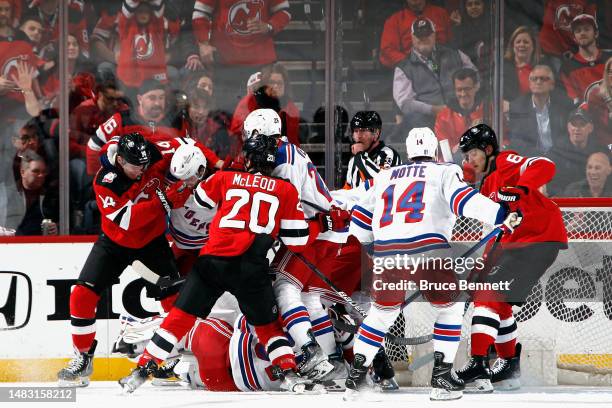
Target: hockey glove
<point>512,221</point>
<point>336,220</point>
<point>174,196</point>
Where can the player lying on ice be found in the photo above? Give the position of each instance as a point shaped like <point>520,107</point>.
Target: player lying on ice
<point>254,209</point>
<point>411,209</point>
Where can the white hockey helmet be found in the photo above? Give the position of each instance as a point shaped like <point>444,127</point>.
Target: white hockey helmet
<point>188,161</point>
<point>421,142</point>
<point>261,121</point>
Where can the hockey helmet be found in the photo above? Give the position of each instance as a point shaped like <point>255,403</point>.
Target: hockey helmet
<point>421,142</point>
<point>479,137</point>
<point>134,149</point>
<point>260,152</point>
<point>366,120</point>
<point>188,161</point>
<point>261,121</point>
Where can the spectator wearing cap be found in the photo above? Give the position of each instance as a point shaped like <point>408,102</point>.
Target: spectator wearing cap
<point>148,118</point>
<point>585,67</point>
<point>570,156</point>
<point>537,120</point>
<point>396,39</point>
<point>463,111</point>
<point>235,39</point>
<point>599,102</point>
<point>271,92</point>
<point>556,35</point>
<point>597,182</point>
<point>422,83</point>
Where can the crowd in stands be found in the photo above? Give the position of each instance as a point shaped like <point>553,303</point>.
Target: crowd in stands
<point>196,68</point>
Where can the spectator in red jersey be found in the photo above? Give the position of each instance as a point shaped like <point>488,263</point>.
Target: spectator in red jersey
<point>586,67</point>
<point>598,182</point>
<point>271,93</point>
<point>570,155</point>
<point>396,39</point>
<point>537,119</point>
<point>522,54</point>
<point>472,33</point>
<point>556,35</point>
<point>32,27</point>
<point>422,83</point>
<point>599,101</point>
<point>462,112</point>
<point>143,36</point>
<point>236,38</point>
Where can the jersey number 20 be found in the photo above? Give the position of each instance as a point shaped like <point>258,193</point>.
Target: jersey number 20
<point>258,198</point>
<point>411,202</point>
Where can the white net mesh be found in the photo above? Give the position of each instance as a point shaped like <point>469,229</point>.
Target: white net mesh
<point>568,315</point>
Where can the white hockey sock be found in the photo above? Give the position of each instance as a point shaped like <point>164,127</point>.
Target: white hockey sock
<point>293,311</point>
<point>372,331</point>
<point>321,323</point>
<point>447,331</point>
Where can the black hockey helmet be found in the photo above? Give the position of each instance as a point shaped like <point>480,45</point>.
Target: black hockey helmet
<point>260,152</point>
<point>134,149</point>
<point>366,120</point>
<point>479,137</point>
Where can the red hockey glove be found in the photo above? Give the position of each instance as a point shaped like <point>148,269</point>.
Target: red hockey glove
<point>174,196</point>
<point>336,220</point>
<point>512,196</point>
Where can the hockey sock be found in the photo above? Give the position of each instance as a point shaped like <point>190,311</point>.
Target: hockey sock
<point>447,331</point>
<point>322,327</point>
<point>293,311</point>
<point>277,345</point>
<point>485,324</point>
<point>372,331</point>
<point>505,343</point>
<point>168,302</point>
<point>83,302</point>
<point>174,327</point>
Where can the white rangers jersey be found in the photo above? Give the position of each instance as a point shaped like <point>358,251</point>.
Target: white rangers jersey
<point>189,225</point>
<point>412,208</point>
<point>294,165</point>
<point>251,368</point>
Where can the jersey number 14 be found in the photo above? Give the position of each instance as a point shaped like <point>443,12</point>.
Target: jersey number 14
<point>410,202</point>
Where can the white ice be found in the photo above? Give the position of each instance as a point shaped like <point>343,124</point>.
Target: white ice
<point>109,395</point>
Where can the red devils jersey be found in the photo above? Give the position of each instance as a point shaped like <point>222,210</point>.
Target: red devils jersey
<point>224,24</point>
<point>13,50</point>
<point>578,74</point>
<point>131,213</point>
<point>249,205</point>
<point>542,221</point>
<point>126,122</point>
<point>556,35</point>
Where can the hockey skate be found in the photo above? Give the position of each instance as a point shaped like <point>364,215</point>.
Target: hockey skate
<point>383,374</point>
<point>506,374</point>
<point>356,381</point>
<point>336,379</point>
<point>476,375</point>
<point>315,364</point>
<point>164,376</point>
<point>444,381</point>
<point>291,382</point>
<point>138,377</point>
<point>79,369</point>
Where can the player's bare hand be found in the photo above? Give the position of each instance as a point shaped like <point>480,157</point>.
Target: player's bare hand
<point>512,221</point>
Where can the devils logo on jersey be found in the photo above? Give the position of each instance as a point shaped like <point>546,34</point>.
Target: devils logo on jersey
<point>564,15</point>
<point>143,46</point>
<point>241,13</point>
<point>9,69</point>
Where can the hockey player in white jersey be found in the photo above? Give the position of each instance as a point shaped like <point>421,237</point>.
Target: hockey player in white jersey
<point>411,209</point>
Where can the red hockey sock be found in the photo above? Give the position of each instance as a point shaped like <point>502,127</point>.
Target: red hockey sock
<point>167,303</point>
<point>83,302</point>
<point>277,346</point>
<point>481,343</point>
<point>506,350</point>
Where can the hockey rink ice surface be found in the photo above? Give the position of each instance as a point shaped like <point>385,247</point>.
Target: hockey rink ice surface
<point>109,395</point>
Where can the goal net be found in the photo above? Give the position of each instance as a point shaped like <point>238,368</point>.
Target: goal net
<point>565,326</point>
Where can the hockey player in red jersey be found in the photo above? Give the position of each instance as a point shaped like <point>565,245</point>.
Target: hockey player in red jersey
<point>523,256</point>
<point>253,210</point>
<point>133,205</point>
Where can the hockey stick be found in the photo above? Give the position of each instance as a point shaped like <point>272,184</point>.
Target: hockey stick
<point>147,274</point>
